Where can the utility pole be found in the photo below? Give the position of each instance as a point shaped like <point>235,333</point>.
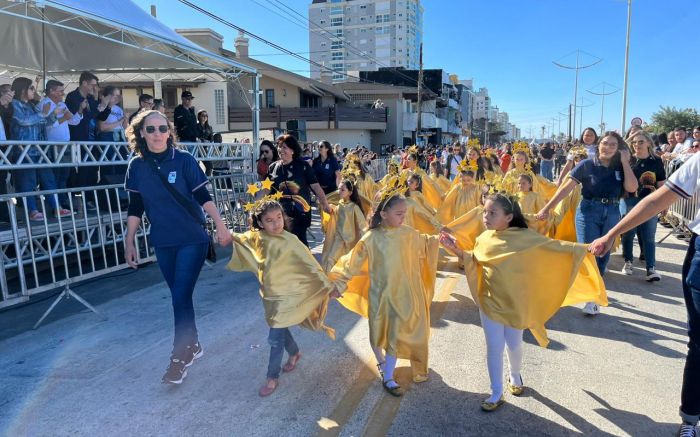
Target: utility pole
<point>627,60</point>
<point>577,67</point>
<point>419,124</point>
<point>581,113</point>
<point>602,103</point>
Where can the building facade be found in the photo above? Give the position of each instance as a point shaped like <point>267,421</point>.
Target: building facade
<point>364,35</point>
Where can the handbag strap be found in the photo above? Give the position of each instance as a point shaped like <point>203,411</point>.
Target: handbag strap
<point>179,198</point>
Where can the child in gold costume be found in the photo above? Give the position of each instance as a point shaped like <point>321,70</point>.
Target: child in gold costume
<point>293,287</point>
<point>390,279</point>
<point>461,199</point>
<point>436,176</point>
<point>343,226</point>
<point>519,279</point>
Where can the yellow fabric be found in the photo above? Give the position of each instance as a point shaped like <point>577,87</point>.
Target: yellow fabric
<point>431,192</point>
<point>530,202</point>
<point>539,184</point>
<point>566,229</point>
<point>458,201</point>
<point>421,200</point>
<point>343,228</point>
<point>293,287</point>
<point>394,292</point>
<point>420,219</point>
<point>467,227</point>
<point>442,182</point>
<point>365,204</point>
<point>520,278</point>
<point>366,187</point>
<point>546,187</point>
<point>383,181</point>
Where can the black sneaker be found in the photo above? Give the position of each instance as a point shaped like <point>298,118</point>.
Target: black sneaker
<point>192,353</point>
<point>176,373</point>
<point>687,431</point>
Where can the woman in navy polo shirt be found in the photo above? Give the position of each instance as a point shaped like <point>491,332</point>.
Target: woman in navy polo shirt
<point>292,168</point>
<point>179,239</point>
<point>326,168</point>
<point>602,180</point>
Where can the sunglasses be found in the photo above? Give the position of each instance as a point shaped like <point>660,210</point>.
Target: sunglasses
<point>163,128</point>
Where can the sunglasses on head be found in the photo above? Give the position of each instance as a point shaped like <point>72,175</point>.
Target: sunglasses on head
<point>163,128</point>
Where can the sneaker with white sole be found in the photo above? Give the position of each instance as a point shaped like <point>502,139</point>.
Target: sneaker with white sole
<point>627,268</point>
<point>652,276</point>
<point>192,353</point>
<point>591,309</point>
<point>176,373</point>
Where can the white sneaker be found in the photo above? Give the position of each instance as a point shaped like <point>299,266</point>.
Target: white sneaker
<point>591,309</point>
<point>627,268</point>
<point>652,276</point>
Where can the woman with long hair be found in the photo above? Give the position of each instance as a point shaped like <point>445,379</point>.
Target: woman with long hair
<point>326,168</point>
<point>267,155</point>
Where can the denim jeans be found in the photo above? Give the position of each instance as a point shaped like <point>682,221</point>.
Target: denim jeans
<point>280,339</point>
<point>27,180</point>
<point>646,232</point>
<point>690,391</point>
<point>61,175</point>
<point>547,169</point>
<point>593,220</point>
<point>180,266</point>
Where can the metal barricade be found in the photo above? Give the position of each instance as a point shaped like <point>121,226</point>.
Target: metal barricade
<point>377,168</point>
<point>682,212</point>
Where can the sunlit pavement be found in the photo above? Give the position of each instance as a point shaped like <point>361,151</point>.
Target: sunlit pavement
<point>617,373</point>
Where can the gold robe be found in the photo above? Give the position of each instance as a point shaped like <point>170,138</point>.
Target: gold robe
<point>530,202</point>
<point>467,227</point>
<point>365,203</point>
<point>430,188</point>
<point>343,229</point>
<point>459,200</point>
<point>422,201</point>
<point>389,277</point>
<point>520,278</point>
<point>366,187</point>
<point>539,184</point>
<point>442,182</point>
<point>566,212</point>
<point>293,287</point>
<point>421,219</point>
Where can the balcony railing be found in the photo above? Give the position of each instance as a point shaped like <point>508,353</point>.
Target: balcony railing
<point>328,114</point>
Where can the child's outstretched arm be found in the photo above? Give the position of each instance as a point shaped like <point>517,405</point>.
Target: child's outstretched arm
<point>450,243</point>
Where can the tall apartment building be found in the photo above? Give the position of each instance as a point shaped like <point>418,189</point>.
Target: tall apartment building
<point>482,103</point>
<point>364,35</point>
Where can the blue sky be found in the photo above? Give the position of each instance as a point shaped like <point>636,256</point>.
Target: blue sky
<point>508,47</point>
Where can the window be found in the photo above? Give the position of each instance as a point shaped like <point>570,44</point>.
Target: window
<point>219,106</point>
<point>323,44</point>
<point>384,18</point>
<point>337,44</point>
<point>336,21</point>
<point>382,30</point>
<point>336,56</point>
<point>336,10</point>
<point>323,21</point>
<point>269,98</point>
<point>338,32</point>
<point>363,6</point>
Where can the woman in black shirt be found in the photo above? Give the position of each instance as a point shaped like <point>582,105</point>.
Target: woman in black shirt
<point>291,175</point>
<point>326,168</point>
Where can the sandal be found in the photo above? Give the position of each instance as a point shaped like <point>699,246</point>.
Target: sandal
<point>269,387</point>
<point>394,391</point>
<point>291,363</point>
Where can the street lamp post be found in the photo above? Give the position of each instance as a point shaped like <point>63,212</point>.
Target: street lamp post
<point>577,67</point>
<point>627,59</point>
<point>602,103</point>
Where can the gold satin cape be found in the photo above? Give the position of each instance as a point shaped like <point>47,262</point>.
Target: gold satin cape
<point>419,218</point>
<point>421,200</point>
<point>366,187</point>
<point>343,229</point>
<point>293,287</point>
<point>520,278</point>
<point>459,200</point>
<point>530,202</point>
<point>389,278</point>
<point>431,191</point>
<point>442,182</point>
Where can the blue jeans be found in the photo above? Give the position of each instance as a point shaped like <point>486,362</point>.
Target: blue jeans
<point>690,391</point>
<point>593,220</point>
<point>279,340</point>
<point>646,232</point>
<point>27,180</point>
<point>180,266</point>
<point>61,175</point>
<point>547,169</point>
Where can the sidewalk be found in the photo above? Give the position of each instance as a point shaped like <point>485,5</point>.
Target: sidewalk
<point>616,374</point>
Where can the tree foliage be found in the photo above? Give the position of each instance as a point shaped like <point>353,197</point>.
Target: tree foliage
<point>669,118</point>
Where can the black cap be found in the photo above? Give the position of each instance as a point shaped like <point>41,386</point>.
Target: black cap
<point>186,95</point>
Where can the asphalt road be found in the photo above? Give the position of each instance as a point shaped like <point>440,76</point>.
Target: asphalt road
<point>616,374</point>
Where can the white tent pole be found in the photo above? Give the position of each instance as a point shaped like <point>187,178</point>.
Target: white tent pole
<point>256,115</point>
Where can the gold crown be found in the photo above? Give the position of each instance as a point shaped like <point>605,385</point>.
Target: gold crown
<point>395,185</point>
<point>491,153</point>
<point>253,189</point>
<point>473,142</point>
<point>470,165</point>
<point>350,173</point>
<point>413,149</point>
<point>521,146</point>
<point>393,167</point>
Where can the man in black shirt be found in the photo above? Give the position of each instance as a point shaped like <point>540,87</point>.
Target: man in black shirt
<point>186,120</point>
<point>145,104</point>
<point>547,161</point>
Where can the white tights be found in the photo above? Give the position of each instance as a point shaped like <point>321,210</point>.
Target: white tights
<point>387,362</point>
<point>497,337</point>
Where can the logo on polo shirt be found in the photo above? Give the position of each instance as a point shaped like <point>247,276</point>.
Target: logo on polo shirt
<point>172,176</point>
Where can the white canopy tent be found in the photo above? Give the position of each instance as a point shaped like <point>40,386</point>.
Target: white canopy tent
<point>61,38</point>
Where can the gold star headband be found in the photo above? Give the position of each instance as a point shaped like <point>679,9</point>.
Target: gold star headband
<point>473,142</point>
<point>350,173</point>
<point>413,150</point>
<point>253,189</point>
<point>470,165</point>
<point>521,146</point>
<point>396,185</point>
<point>579,151</point>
